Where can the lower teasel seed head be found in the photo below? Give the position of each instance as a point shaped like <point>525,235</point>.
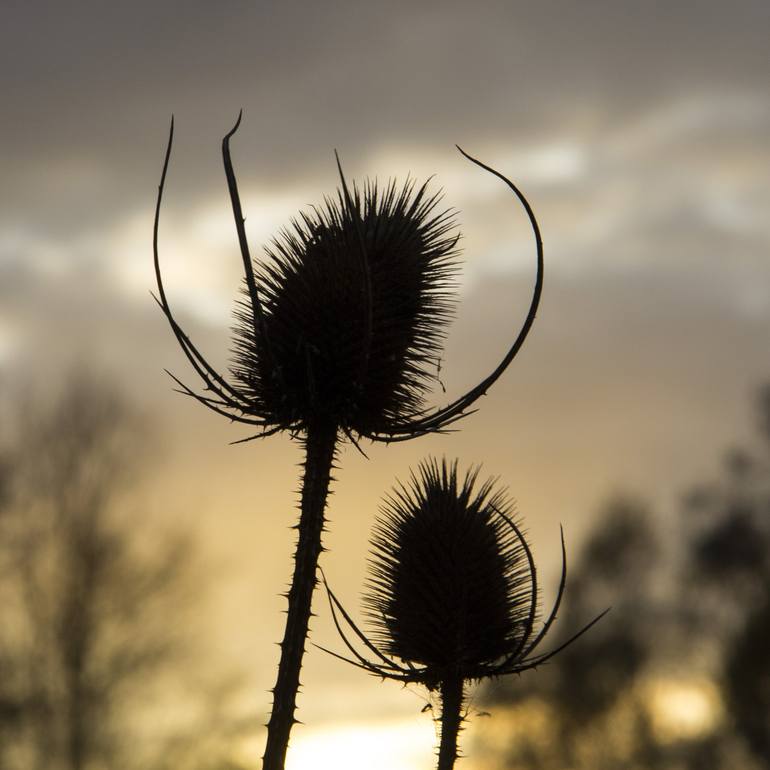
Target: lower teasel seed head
<point>452,593</point>
<point>449,585</point>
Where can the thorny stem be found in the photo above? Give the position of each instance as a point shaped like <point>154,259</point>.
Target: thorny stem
<point>320,443</point>
<point>451,707</point>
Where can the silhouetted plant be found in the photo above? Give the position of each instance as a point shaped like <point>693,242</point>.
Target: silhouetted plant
<point>338,336</point>
<point>452,592</point>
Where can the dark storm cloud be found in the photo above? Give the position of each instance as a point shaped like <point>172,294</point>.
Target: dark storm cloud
<point>87,87</point>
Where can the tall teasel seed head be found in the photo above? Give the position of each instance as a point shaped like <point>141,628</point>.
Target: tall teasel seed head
<point>450,583</point>
<point>341,328</point>
<point>355,300</point>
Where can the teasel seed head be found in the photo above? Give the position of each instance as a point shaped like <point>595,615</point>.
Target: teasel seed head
<point>345,338</point>
<point>453,590</point>
<point>449,584</point>
<point>342,326</point>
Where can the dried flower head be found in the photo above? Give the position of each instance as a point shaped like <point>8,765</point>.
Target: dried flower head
<point>449,588</point>
<point>342,325</point>
<point>355,301</point>
<point>452,588</point>
<point>452,594</point>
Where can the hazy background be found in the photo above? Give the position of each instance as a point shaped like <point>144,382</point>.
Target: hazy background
<point>638,133</point>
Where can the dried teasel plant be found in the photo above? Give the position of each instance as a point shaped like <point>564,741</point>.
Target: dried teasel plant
<point>452,594</point>
<point>338,332</point>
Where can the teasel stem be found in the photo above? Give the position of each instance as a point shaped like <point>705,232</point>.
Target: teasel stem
<point>320,444</point>
<point>451,719</point>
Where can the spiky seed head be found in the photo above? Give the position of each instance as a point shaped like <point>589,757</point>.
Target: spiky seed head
<point>450,585</point>
<point>355,299</point>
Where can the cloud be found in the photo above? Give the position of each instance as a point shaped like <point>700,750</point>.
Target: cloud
<point>88,89</point>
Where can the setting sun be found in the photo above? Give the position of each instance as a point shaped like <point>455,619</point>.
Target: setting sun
<point>405,744</point>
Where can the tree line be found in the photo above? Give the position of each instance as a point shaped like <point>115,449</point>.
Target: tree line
<point>690,597</point>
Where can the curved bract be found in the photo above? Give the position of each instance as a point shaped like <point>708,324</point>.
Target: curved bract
<point>343,323</point>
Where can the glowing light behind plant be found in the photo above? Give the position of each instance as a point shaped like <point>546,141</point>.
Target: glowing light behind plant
<point>405,744</point>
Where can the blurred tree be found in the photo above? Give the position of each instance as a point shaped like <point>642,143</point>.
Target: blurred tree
<point>92,606</point>
<point>701,609</point>
<point>728,574</point>
<point>594,681</point>
<point>615,569</point>
<point>747,681</point>
<point>727,521</point>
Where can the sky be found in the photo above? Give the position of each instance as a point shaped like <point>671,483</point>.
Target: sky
<point>638,132</point>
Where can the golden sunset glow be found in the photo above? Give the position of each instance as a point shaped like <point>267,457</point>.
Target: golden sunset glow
<point>405,744</point>
<point>684,709</point>
<point>639,135</point>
